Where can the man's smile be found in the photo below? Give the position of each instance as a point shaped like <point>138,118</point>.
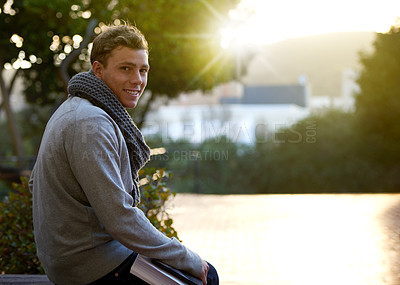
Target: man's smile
<point>132,92</point>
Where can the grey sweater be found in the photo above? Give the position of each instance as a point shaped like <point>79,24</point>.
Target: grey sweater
<point>84,221</point>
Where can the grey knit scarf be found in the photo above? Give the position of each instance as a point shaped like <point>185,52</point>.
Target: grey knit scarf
<point>86,85</point>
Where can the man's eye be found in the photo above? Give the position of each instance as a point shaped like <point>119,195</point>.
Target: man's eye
<point>125,68</point>
<point>144,71</point>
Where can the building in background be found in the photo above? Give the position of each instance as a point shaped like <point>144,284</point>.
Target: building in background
<point>244,114</point>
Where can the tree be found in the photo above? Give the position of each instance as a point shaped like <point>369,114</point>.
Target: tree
<point>46,42</point>
<point>378,102</point>
<point>27,50</point>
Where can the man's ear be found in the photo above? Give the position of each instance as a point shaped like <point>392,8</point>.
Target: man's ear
<point>98,68</point>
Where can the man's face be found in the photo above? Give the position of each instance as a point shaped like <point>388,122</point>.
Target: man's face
<point>125,73</point>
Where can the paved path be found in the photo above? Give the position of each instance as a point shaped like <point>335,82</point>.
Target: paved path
<point>294,239</point>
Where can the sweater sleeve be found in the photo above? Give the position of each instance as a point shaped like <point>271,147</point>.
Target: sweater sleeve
<point>100,162</point>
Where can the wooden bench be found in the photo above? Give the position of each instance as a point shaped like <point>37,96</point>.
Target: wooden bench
<point>13,279</point>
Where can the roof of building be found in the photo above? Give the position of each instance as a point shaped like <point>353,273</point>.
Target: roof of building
<point>275,94</point>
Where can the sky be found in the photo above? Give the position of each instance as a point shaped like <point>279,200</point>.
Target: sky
<point>269,21</point>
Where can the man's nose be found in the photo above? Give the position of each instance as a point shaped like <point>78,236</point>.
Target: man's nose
<point>136,78</point>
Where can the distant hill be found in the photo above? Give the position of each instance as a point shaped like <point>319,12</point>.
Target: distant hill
<point>322,58</point>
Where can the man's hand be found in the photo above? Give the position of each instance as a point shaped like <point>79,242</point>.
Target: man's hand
<point>204,272</point>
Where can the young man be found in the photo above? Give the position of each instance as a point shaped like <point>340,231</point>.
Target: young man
<point>85,181</point>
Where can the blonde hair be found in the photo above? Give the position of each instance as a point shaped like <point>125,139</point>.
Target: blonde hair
<point>116,36</point>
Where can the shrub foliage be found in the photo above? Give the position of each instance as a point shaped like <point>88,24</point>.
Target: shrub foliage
<point>154,195</point>
<point>18,250</point>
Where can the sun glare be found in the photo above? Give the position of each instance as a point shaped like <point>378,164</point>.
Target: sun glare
<point>262,22</point>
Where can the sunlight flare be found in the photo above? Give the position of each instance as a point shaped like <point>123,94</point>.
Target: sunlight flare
<point>263,22</point>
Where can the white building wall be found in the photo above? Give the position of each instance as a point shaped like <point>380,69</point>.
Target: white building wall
<point>202,122</point>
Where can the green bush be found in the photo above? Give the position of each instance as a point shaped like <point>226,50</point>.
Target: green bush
<point>154,195</point>
<point>323,153</point>
<point>17,248</point>
<point>212,167</point>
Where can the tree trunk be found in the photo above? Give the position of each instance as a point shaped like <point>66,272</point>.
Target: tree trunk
<point>144,112</point>
<point>63,69</point>
<point>11,122</point>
